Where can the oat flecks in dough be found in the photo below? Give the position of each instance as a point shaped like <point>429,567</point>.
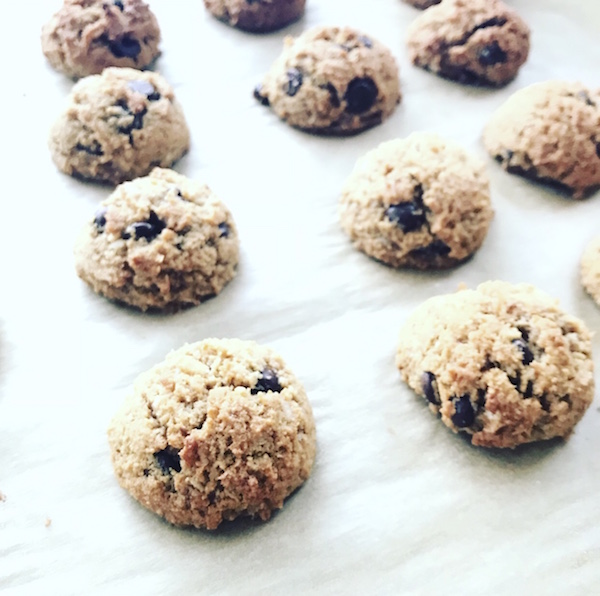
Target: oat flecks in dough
<point>417,202</point>
<point>502,363</point>
<point>256,15</point>
<point>590,269</point>
<point>86,36</point>
<point>332,80</point>
<point>475,42</point>
<point>549,132</point>
<point>204,438</point>
<point>119,125</point>
<point>159,242</point>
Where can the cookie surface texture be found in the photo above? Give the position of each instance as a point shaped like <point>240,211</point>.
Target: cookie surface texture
<point>548,132</point>
<point>219,429</point>
<point>474,42</point>
<point>159,242</point>
<point>418,202</point>
<point>332,80</point>
<point>590,269</point>
<point>119,125</point>
<point>502,363</point>
<point>86,36</point>
<point>256,15</point>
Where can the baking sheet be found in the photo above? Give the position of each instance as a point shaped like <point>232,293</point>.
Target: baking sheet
<point>396,503</point>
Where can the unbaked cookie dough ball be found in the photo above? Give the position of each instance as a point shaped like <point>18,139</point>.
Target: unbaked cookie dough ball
<point>119,125</point>
<point>417,202</point>
<point>159,242</point>
<point>221,428</point>
<point>475,42</point>
<point>549,132</point>
<point>332,80</point>
<point>502,363</point>
<point>86,36</point>
<point>256,15</point>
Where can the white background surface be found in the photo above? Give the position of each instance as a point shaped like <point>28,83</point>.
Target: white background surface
<point>396,503</point>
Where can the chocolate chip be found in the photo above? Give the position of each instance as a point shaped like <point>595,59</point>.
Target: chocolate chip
<point>148,229</point>
<point>481,397</point>
<point>264,100</point>
<point>94,149</point>
<point>144,88</point>
<point>268,381</point>
<point>294,81</point>
<point>224,229</point>
<point>464,415</point>
<point>585,97</point>
<point>432,251</point>
<point>365,41</point>
<point>407,216</point>
<point>527,354</point>
<point>430,388</point>
<point>100,219</point>
<point>334,98</point>
<point>168,459</point>
<point>528,390</point>
<point>360,95</point>
<point>119,4</point>
<point>125,47</point>
<point>491,54</point>
<point>138,118</point>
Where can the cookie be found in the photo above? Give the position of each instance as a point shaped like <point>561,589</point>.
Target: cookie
<point>256,15</point>
<point>474,42</point>
<point>332,80</point>
<point>422,4</point>
<point>86,36</point>
<point>159,242</point>
<point>590,269</point>
<point>417,202</point>
<point>549,133</point>
<point>220,429</point>
<point>502,363</point>
<point>119,125</point>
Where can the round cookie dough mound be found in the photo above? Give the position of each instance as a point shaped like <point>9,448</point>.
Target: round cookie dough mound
<point>417,202</point>
<point>119,125</point>
<point>422,4</point>
<point>332,80</point>
<point>502,363</point>
<point>158,242</point>
<point>590,269</point>
<point>474,42</point>
<point>86,36</point>
<point>219,429</point>
<point>256,15</point>
<point>550,133</point>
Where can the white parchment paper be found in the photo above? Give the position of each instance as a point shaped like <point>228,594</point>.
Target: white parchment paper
<point>396,503</point>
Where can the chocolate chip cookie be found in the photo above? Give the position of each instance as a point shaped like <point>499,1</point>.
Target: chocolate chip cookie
<point>220,429</point>
<point>474,42</point>
<point>417,202</point>
<point>119,125</point>
<point>256,15</point>
<point>332,80</point>
<point>159,242</point>
<point>590,269</point>
<point>549,132</point>
<point>86,36</point>
<point>502,363</point>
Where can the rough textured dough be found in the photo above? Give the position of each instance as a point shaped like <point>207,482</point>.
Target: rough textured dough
<point>256,15</point>
<point>219,429</point>
<point>119,125</point>
<point>332,80</point>
<point>549,132</point>
<point>590,269</point>
<point>86,36</point>
<point>417,202</point>
<point>476,42</point>
<point>502,363</point>
<point>158,242</point>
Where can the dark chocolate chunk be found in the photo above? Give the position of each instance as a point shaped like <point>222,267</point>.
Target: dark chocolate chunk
<point>525,350</point>
<point>432,251</point>
<point>430,388</point>
<point>481,398</point>
<point>268,381</point>
<point>264,100</point>
<point>294,81</point>
<point>100,219</point>
<point>144,88</point>
<point>334,98</point>
<point>125,47</point>
<point>224,229</point>
<point>585,97</point>
<point>360,95</point>
<point>464,414</point>
<point>148,229</point>
<point>365,41</point>
<point>492,54</point>
<point>528,390</point>
<point>93,149</point>
<point>407,216</point>
<point>168,459</point>
<point>138,118</point>
<point>119,5</point>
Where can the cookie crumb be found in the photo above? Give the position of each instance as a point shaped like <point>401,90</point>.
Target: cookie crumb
<point>48,522</point>
<point>462,286</point>
<point>2,497</point>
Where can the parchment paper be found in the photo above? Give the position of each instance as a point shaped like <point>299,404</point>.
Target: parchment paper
<point>396,503</point>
